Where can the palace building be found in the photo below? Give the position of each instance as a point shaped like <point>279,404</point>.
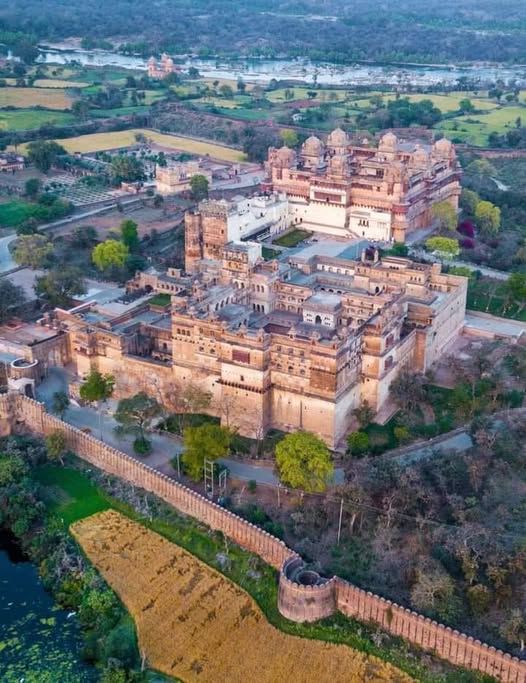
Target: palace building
<point>348,191</point>
<point>161,69</point>
<point>292,343</point>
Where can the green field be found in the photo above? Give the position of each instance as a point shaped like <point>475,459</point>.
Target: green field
<point>14,213</point>
<point>489,296</point>
<point>300,93</point>
<point>27,119</point>
<point>475,128</point>
<point>292,238</point>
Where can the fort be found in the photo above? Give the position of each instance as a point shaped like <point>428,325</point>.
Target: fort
<point>382,193</point>
<point>303,596</point>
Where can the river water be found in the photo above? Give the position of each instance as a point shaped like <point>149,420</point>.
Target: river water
<point>38,642</point>
<point>263,70</point>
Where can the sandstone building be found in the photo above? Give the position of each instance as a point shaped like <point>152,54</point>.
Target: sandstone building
<point>176,177</point>
<point>292,343</point>
<point>161,69</point>
<point>381,193</point>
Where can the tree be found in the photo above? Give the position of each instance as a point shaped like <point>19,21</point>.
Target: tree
<point>34,251</point>
<point>126,169</point>
<point>207,442</point>
<point>289,137</point>
<point>109,254</point>
<point>32,187</point>
<point>487,217</point>
<point>304,461</point>
<point>514,629</point>
<point>515,287</point>
<point>59,286</point>
<point>481,168</point>
<point>226,91</point>
<point>129,234</point>
<point>466,106</point>
<point>357,443</point>
<point>469,200</point>
<point>434,591</point>
<point>43,153</point>
<point>445,214</point>
<point>364,413</point>
<point>60,403</point>
<point>199,186</point>
<point>97,388</point>
<point>241,86</point>
<point>408,391</point>
<point>12,300</point>
<point>135,416</point>
<point>189,399</point>
<point>445,247</point>
<point>56,445</point>
<point>80,109</point>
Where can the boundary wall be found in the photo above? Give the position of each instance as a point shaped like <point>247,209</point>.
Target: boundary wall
<point>295,601</point>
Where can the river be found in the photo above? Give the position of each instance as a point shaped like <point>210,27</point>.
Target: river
<point>305,70</point>
<point>38,642</point>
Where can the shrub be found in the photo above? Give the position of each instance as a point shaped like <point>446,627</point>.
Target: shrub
<point>466,228</point>
<point>467,243</point>
<point>142,446</point>
<point>252,486</point>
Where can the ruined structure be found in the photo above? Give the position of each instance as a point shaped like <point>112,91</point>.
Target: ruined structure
<point>176,177</point>
<point>381,193</point>
<point>292,343</point>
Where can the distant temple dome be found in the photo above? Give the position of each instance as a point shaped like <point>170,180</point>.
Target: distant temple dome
<point>420,156</point>
<point>152,61</point>
<point>389,141</point>
<point>312,145</point>
<point>338,138</point>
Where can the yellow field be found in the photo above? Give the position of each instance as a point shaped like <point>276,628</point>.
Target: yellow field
<point>195,624</point>
<point>446,103</point>
<point>50,98</point>
<point>58,83</point>
<point>98,142</point>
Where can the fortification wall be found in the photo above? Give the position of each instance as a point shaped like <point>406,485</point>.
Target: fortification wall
<point>296,601</point>
<point>447,643</point>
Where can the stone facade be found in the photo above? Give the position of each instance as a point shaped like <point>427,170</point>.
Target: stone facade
<point>381,193</point>
<point>293,343</point>
<point>176,177</point>
<point>161,69</point>
<point>298,599</point>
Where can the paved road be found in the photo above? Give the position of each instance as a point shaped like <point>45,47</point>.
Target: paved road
<point>163,447</point>
<point>457,442</point>
<point>7,261</point>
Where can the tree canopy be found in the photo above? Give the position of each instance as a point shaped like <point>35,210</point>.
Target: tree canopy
<point>206,442</point>
<point>129,234</point>
<point>59,286</point>
<point>97,387</point>
<point>136,414</point>
<point>12,300</point>
<point>304,461</point>
<point>43,153</point>
<point>199,186</point>
<point>35,251</point>
<point>110,253</point>
<point>445,247</point>
<point>445,214</point>
<point>487,217</point>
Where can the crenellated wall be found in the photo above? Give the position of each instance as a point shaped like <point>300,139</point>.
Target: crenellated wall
<point>296,601</point>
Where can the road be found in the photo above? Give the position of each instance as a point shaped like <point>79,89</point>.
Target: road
<point>7,261</point>
<point>164,447</point>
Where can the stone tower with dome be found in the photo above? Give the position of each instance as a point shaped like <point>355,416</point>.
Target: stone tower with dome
<point>161,69</point>
<point>379,193</point>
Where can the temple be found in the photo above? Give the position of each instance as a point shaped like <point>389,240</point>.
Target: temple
<point>382,193</point>
<point>161,69</point>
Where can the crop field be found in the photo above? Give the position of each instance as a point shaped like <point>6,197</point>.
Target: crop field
<point>300,93</point>
<point>97,142</point>
<point>50,98</point>
<point>58,83</point>
<point>195,624</point>
<point>475,128</point>
<point>446,103</point>
<point>26,119</point>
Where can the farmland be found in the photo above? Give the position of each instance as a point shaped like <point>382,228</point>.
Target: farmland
<point>50,98</point>
<point>27,119</point>
<point>58,83</point>
<point>172,595</point>
<point>98,142</point>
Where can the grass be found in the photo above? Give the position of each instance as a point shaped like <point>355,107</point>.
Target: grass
<point>292,238</point>
<point>300,93</point>
<point>14,213</point>
<point>50,98</point>
<point>27,119</point>
<point>58,83</point>
<point>69,494</point>
<point>235,642</point>
<point>98,142</point>
<point>475,128</point>
<point>160,300</point>
<point>269,253</point>
<point>489,296</point>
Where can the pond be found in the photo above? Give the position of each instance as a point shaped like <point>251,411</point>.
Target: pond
<point>39,642</point>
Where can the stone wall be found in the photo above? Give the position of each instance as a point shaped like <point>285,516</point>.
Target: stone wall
<point>296,601</point>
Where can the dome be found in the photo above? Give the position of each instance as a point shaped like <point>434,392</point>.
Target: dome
<point>151,61</point>
<point>443,146</point>
<point>389,140</point>
<point>169,62</point>
<point>313,145</point>
<point>338,138</point>
<point>284,152</point>
<point>420,156</point>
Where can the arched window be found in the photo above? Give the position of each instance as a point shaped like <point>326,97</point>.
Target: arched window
<point>317,320</point>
